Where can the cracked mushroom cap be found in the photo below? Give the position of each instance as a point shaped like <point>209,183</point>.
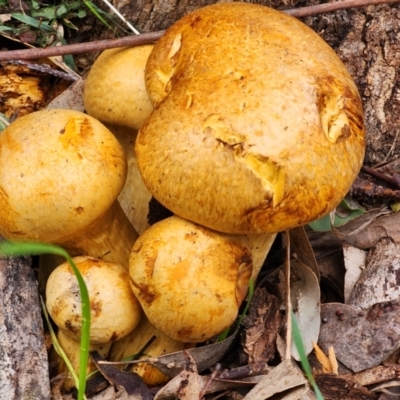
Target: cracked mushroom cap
<point>115,92</point>
<point>115,310</point>
<point>189,280</point>
<point>257,127</point>
<point>59,171</point>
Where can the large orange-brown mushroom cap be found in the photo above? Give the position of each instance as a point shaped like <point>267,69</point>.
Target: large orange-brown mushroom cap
<point>257,127</point>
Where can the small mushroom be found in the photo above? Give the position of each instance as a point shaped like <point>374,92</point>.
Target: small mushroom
<point>116,95</point>
<point>189,280</point>
<point>257,126</point>
<point>61,173</point>
<point>115,311</point>
<point>115,92</point>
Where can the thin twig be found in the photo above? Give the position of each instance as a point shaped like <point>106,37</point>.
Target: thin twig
<point>144,38</point>
<point>151,37</point>
<point>392,147</point>
<point>377,174</point>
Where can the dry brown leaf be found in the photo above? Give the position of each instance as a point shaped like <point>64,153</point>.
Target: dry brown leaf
<point>303,249</point>
<point>305,299</point>
<point>71,98</point>
<point>354,262</point>
<point>361,339</point>
<point>378,374</point>
<point>186,385</point>
<point>205,357</point>
<point>334,387</point>
<point>377,224</point>
<point>262,324</point>
<point>285,376</point>
<point>379,281</point>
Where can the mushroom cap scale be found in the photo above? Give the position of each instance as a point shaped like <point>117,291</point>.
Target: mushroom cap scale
<point>189,280</point>
<point>257,126</point>
<point>59,171</point>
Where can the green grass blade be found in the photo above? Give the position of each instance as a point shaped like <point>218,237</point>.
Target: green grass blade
<point>8,248</point>
<point>94,11</point>
<point>298,341</point>
<point>57,347</point>
<point>35,23</point>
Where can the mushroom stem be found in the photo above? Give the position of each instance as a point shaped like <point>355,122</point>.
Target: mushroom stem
<point>260,245</point>
<point>134,197</point>
<point>110,237</point>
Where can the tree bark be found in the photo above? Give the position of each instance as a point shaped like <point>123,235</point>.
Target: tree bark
<point>24,372</point>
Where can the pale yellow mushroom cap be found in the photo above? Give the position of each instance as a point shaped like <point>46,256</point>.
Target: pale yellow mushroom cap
<point>115,310</point>
<point>189,280</point>
<point>257,127</point>
<point>115,91</point>
<point>60,170</point>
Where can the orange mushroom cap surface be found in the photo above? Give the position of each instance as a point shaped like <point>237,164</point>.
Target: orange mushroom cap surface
<point>257,127</point>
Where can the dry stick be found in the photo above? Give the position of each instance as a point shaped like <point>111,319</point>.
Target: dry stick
<point>97,45</point>
<point>373,172</point>
<point>151,37</point>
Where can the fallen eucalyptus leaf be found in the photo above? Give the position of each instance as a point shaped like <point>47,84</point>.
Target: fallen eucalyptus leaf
<point>354,262</point>
<point>205,357</point>
<point>334,387</point>
<point>286,375</point>
<point>343,214</point>
<point>132,383</point>
<point>216,385</point>
<point>305,298</point>
<point>363,232</point>
<point>303,249</point>
<point>361,339</point>
<point>71,98</point>
<point>379,280</point>
<point>186,385</point>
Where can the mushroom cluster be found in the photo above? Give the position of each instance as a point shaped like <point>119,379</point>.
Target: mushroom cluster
<point>249,125</point>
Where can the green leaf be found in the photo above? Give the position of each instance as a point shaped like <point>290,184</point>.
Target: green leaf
<point>68,58</point>
<point>35,5</point>
<point>344,214</point>
<point>47,13</point>
<point>5,28</point>
<point>81,14</point>
<point>96,12</point>
<point>26,19</point>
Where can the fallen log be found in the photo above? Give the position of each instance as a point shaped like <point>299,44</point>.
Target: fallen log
<point>24,369</point>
